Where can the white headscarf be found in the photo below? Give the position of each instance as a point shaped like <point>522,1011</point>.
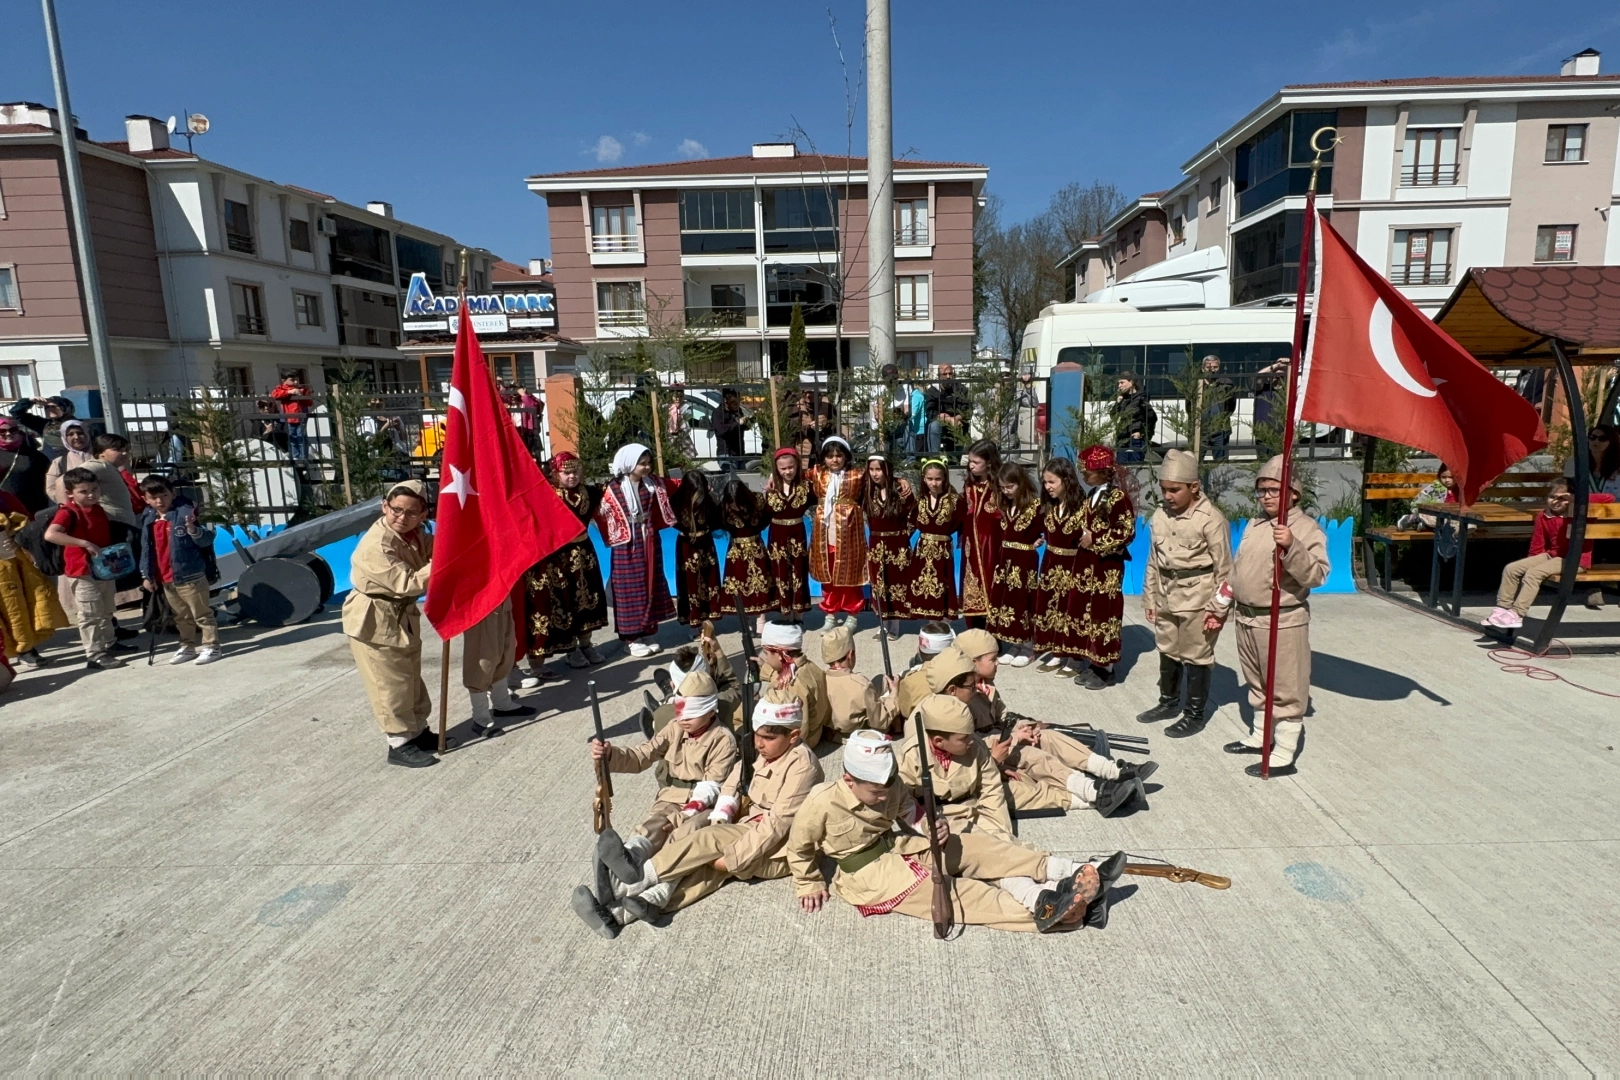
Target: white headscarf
<point>835,481</point>
<point>624,462</point>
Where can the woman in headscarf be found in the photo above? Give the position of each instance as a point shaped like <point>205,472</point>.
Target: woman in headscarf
<point>22,466</point>
<point>1098,602</point>
<point>787,499</point>
<point>838,534</point>
<point>981,529</point>
<point>891,515</point>
<point>563,597</point>
<point>634,507</point>
<point>76,452</point>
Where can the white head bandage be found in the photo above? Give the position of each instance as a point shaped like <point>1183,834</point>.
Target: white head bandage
<point>677,674</point>
<point>869,756</point>
<point>929,644</point>
<point>784,635</point>
<point>788,714</point>
<point>696,696</point>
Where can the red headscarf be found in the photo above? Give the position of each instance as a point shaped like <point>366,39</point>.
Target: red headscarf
<point>1097,459</point>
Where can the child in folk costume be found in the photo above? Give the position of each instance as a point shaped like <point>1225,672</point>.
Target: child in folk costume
<point>931,587</point>
<point>787,498</point>
<point>564,601</point>
<point>1017,571</point>
<point>748,569</point>
<point>838,534</point>
<point>30,611</point>
<point>697,567</point>
<point>891,515</point>
<point>634,507</point>
<point>1100,600</point>
<point>981,531</point>
<point>1063,521</point>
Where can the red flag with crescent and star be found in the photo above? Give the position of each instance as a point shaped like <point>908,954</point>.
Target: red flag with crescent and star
<point>1377,365</point>
<point>497,515</point>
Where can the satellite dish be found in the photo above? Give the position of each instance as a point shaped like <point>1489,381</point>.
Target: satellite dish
<point>171,125</point>
<point>197,124</point>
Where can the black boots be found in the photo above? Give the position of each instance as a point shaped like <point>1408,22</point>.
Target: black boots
<point>1169,706</point>
<point>1193,718</point>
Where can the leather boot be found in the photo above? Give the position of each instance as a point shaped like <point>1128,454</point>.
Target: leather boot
<point>1169,706</point>
<point>1193,718</point>
<point>1285,740</point>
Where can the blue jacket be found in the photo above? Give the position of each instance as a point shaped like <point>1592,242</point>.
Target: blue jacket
<point>186,555</point>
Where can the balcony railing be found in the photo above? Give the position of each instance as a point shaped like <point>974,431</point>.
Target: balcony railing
<point>250,324</point>
<point>620,317</point>
<point>615,243</point>
<point>1428,175</point>
<point>730,315</point>
<point>1421,274</point>
<point>916,236</point>
<point>912,313</point>
<point>242,242</point>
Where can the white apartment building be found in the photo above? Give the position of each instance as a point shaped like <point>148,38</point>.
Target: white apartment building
<point>1432,176</point>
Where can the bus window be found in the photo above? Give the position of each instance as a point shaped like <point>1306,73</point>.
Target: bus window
<point>1113,359</point>
<point>1240,361</point>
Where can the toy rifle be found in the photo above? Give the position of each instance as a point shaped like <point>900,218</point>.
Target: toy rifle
<point>1134,743</point>
<point>745,737</point>
<point>747,631</point>
<point>1178,873</point>
<point>602,804</point>
<point>940,909</point>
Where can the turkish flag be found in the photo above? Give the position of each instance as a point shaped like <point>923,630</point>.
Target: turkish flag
<point>1377,365</point>
<point>497,515</point>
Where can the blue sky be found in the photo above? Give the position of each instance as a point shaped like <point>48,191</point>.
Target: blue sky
<point>442,109</point>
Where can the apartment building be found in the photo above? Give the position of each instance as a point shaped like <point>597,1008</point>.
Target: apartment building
<point>206,272</point>
<point>732,244</point>
<point>1433,176</point>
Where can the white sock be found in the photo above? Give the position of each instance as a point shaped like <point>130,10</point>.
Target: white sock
<point>1081,787</point>
<point>397,741</point>
<point>640,843</point>
<point>500,695</point>
<point>649,878</point>
<point>1059,867</point>
<point>1024,890</point>
<point>622,915</point>
<point>1097,765</point>
<point>480,706</point>
<point>658,895</point>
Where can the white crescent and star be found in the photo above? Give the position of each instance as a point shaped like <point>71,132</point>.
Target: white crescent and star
<point>456,400</point>
<point>460,484</point>
<point>1381,336</point>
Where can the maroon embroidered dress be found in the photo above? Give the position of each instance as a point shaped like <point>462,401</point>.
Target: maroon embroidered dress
<point>748,568</point>
<point>890,523</point>
<point>931,587</point>
<point>640,590</point>
<point>1057,597</point>
<point>981,539</point>
<point>1098,603</point>
<point>697,566</point>
<point>563,597</point>
<point>785,546</point>
<point>1016,576</point>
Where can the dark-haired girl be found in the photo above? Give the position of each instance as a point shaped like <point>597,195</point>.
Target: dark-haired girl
<point>1057,631</point>
<point>1017,571</point>
<point>787,498</point>
<point>748,567</point>
<point>697,567</point>
<point>981,530</point>
<point>891,516</point>
<point>931,587</point>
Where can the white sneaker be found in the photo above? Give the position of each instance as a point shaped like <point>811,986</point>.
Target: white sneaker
<point>1021,660</point>
<point>207,654</point>
<point>652,646</point>
<point>639,649</point>
<point>516,680</point>
<point>1006,658</point>
<point>183,655</point>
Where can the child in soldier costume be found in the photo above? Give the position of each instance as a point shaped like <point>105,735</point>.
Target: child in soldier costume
<point>1304,567</point>
<point>852,699</point>
<point>901,697</point>
<point>1189,559</point>
<point>966,780</point>
<point>782,664</point>
<point>703,655</point>
<point>697,864</point>
<point>866,822</point>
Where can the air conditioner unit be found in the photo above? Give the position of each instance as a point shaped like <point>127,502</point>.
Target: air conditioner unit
<point>326,226</point>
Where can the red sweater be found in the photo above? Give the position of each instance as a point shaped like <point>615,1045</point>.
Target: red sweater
<point>1551,535</point>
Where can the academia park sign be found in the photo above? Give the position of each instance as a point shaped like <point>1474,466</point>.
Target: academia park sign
<point>492,313</point>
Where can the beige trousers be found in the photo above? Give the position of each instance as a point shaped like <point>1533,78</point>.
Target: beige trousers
<point>488,649</point>
<point>973,862</point>
<point>189,602</point>
<point>1293,669</point>
<point>393,681</point>
<point>96,605</point>
<point>1180,635</point>
<point>1521,581</point>
<point>689,862</point>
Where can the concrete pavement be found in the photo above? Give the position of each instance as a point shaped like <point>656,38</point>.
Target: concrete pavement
<point>213,869</point>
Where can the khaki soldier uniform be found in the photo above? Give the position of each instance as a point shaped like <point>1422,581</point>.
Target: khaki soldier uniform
<point>809,685</point>
<point>690,761</point>
<point>1305,566</point>
<point>851,698</point>
<point>967,790</point>
<point>754,848</point>
<point>725,681</point>
<point>1054,774</point>
<point>1190,557</point>
<point>384,626</point>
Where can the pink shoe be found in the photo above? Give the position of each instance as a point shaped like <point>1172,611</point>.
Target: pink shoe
<point>1493,618</point>
<point>1510,621</point>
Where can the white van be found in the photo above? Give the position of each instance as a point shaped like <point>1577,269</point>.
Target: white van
<point>1154,345</point>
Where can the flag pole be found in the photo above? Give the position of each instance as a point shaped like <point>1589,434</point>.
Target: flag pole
<point>463,326</point>
<point>1306,239</point>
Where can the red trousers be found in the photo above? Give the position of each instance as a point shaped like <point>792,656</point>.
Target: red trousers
<point>843,598</point>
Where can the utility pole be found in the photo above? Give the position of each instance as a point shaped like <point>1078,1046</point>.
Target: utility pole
<point>89,279</point>
<point>879,187</point>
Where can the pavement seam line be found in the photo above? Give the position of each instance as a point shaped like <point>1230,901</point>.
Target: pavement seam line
<point>218,735</point>
<point>1441,923</point>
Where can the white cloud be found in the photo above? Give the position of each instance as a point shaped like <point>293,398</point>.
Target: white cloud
<point>641,138</point>
<point>607,149</point>
<point>692,148</point>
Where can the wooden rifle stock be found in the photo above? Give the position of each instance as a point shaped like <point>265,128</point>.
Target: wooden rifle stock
<point>602,804</point>
<point>940,908</point>
<point>1178,873</point>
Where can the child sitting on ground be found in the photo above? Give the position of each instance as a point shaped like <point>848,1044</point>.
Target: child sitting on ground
<point>1549,542</point>
<point>174,547</point>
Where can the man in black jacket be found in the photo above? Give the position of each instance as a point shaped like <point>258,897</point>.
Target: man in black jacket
<point>949,409</point>
<point>728,424</point>
<point>1133,422</point>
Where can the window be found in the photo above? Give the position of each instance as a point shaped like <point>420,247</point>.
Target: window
<point>1178,229</point>
<point>1421,257</point>
<point>1566,142</point>
<point>480,280</point>
<point>618,303</point>
<point>1429,158</point>
<point>306,309</point>
<point>810,287</point>
<point>912,360</point>
<point>1276,162</point>
<point>10,299</point>
<point>911,298</point>
<point>1555,243</point>
<point>717,222</point>
<point>16,382</point>
<point>800,219</point>
<point>450,275</point>
<point>361,250</point>
<point>613,228</point>
<point>911,222</point>
<point>728,305</point>
<point>418,257</point>
<point>238,379</point>
<point>247,304</point>
<point>1215,187</point>
<point>238,227</point>
<point>298,235</point>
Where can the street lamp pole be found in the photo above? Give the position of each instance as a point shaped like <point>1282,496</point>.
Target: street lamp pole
<point>89,279</point>
<point>879,188</point>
